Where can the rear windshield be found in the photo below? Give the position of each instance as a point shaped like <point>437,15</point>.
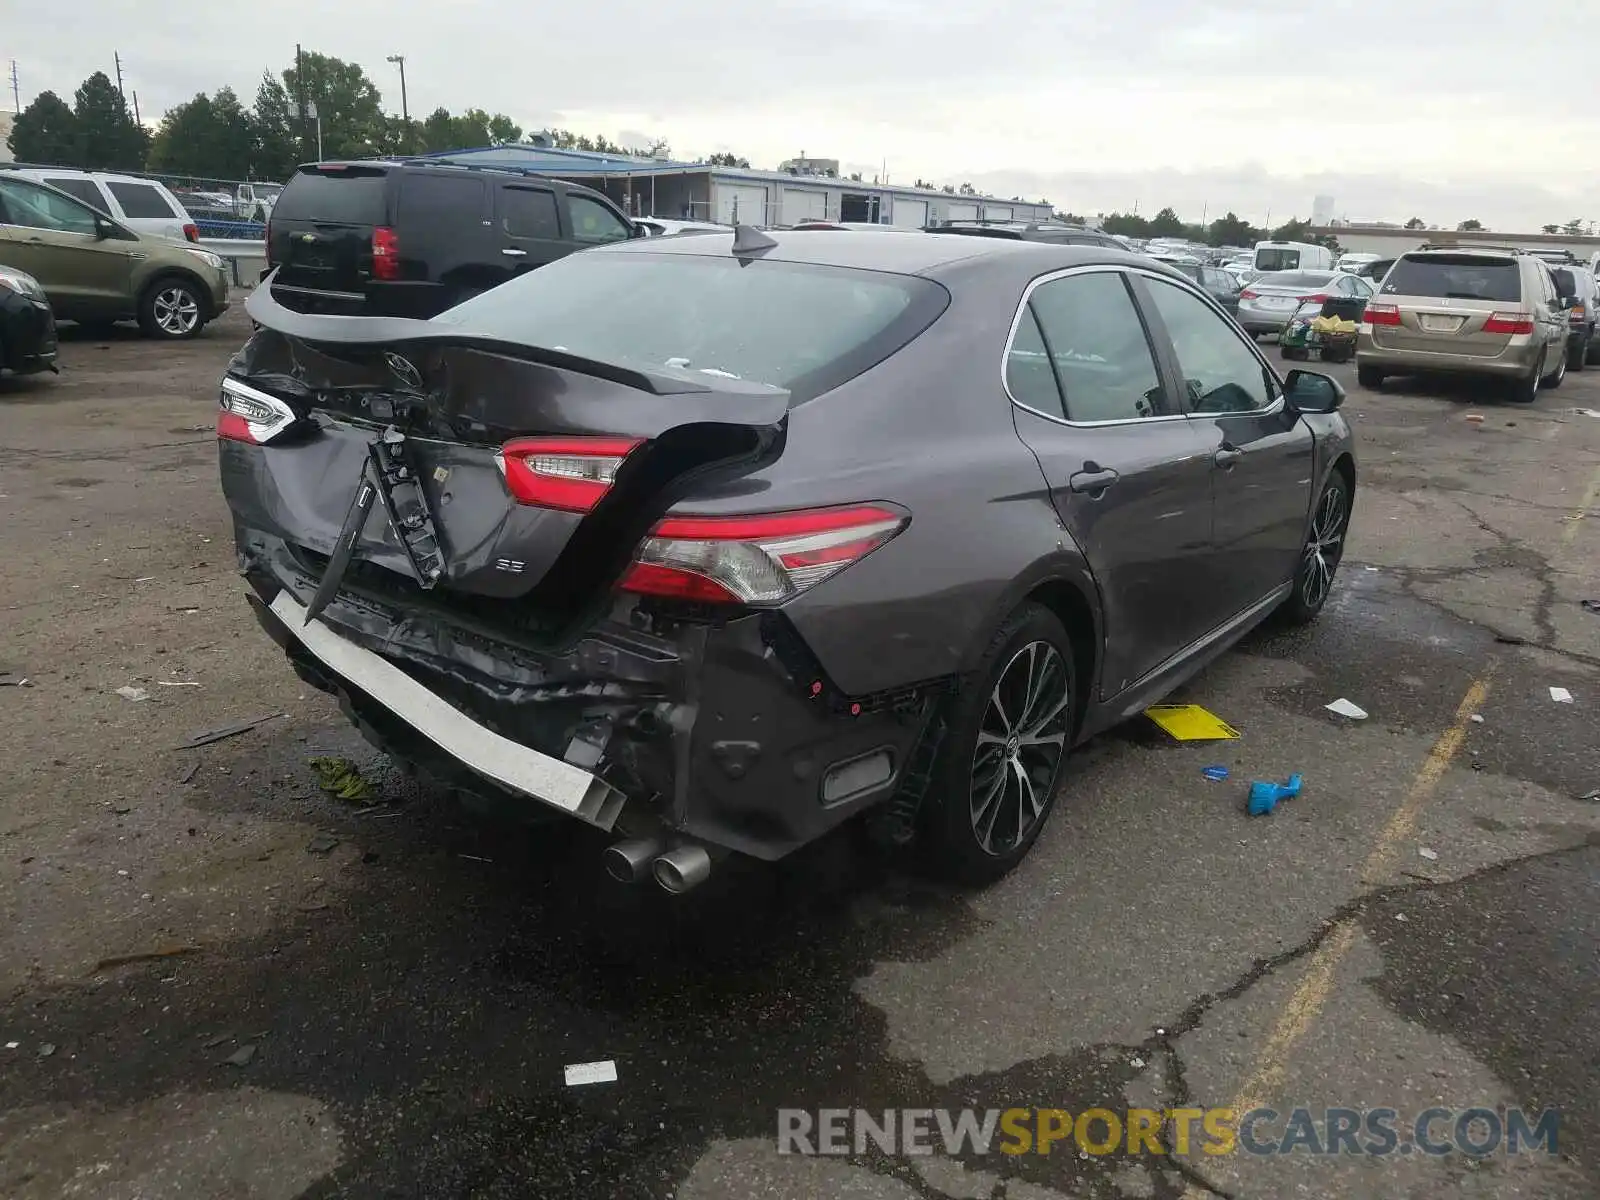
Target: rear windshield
<point>1456,276</point>
<point>1277,259</point>
<point>796,326</point>
<point>1566,282</point>
<point>1296,279</point>
<point>352,196</point>
<point>141,200</point>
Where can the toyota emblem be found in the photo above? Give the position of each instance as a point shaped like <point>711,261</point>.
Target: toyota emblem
<point>403,370</point>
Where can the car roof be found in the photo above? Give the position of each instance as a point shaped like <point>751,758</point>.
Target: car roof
<point>903,252</point>
<point>30,169</point>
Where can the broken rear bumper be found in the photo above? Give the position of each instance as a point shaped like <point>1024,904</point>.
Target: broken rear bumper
<point>720,734</point>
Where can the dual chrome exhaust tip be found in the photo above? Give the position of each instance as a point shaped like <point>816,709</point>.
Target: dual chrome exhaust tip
<point>677,869</point>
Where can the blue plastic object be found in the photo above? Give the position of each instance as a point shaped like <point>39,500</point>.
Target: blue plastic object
<point>1264,795</point>
<point>1217,772</point>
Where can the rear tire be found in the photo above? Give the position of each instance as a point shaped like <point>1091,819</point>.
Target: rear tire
<point>1319,558</point>
<point>1370,378</point>
<point>172,309</point>
<point>1526,389</point>
<point>1006,743</point>
<point>1593,344</point>
<point>1578,356</point>
<point>1553,380</point>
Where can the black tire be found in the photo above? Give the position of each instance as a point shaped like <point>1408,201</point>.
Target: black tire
<point>172,309</point>
<point>1593,345</point>
<point>1319,558</point>
<point>1553,380</point>
<point>1526,389</point>
<point>964,838</point>
<point>1370,378</point>
<point>1578,356</point>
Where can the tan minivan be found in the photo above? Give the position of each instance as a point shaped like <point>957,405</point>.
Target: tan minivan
<point>97,272</point>
<point>1460,311</point>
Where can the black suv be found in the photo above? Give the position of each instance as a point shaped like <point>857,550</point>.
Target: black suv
<point>1055,232</point>
<point>1578,287</point>
<point>411,239</point>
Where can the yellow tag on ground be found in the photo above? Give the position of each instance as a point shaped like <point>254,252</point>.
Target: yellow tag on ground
<point>1190,722</point>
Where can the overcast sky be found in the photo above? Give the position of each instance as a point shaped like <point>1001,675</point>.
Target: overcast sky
<point>1441,109</point>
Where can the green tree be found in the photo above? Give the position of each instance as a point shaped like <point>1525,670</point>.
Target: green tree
<point>503,131</point>
<point>1550,229</point>
<point>732,160</point>
<point>207,136</point>
<point>1469,225</point>
<point>1573,228</point>
<point>1071,218</point>
<point>275,145</point>
<point>1415,223</point>
<point>1126,225</point>
<point>46,132</point>
<point>1166,223</point>
<point>1230,230</point>
<point>353,124</point>
<point>108,138</point>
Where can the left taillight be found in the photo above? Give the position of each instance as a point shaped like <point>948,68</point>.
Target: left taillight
<point>245,414</point>
<point>191,232</point>
<point>571,474</point>
<point>760,560</point>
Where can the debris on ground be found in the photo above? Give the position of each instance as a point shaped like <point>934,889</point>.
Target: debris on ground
<point>189,772</point>
<point>578,1074</point>
<point>1346,708</point>
<point>341,778</point>
<point>122,960</point>
<point>1474,418</point>
<point>1216,771</point>
<point>1560,695</point>
<point>323,843</point>
<point>242,1057</point>
<point>46,1049</point>
<point>135,694</point>
<point>222,1039</point>
<point>1191,723</point>
<point>176,683</point>
<point>1594,795</point>
<point>1588,605</point>
<point>1430,855</point>
<point>1510,639</point>
<point>206,736</point>
<point>13,679</point>
<point>1265,795</point>
<point>1477,718</point>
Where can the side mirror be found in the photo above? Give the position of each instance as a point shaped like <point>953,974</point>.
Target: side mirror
<point>637,231</point>
<point>1312,392</point>
<point>103,229</point>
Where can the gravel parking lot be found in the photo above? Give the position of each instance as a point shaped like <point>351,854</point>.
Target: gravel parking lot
<point>217,980</point>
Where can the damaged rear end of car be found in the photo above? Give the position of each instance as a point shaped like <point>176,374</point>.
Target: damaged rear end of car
<point>472,543</point>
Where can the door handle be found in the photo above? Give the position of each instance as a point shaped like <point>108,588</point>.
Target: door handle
<point>1227,456</point>
<point>1092,482</point>
<point>513,252</point>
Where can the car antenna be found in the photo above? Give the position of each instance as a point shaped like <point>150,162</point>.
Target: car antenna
<point>747,239</point>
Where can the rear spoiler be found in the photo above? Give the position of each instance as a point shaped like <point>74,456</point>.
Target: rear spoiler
<point>329,329</point>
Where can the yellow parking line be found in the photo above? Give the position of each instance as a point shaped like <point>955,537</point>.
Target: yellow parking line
<point>1310,997</point>
<point>1584,506</point>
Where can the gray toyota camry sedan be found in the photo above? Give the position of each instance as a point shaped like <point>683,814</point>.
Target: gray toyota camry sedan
<point>715,543</point>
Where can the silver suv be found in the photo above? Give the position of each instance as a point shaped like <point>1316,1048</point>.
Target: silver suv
<point>1481,311</point>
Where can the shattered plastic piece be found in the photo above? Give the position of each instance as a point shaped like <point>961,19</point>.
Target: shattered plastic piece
<point>1190,723</point>
<point>1588,605</point>
<point>1217,771</point>
<point>1477,718</point>
<point>189,772</point>
<point>176,683</point>
<point>1346,709</point>
<point>323,843</point>
<point>1560,695</point>
<point>12,679</point>
<point>133,693</point>
<point>206,736</point>
<point>578,1074</point>
<point>1265,795</point>
<point>242,1057</point>
<point>122,960</point>
<point>46,1049</point>
<point>1475,418</point>
<point>341,778</point>
<point>1430,855</point>
<point>1594,795</point>
<point>12,1045</point>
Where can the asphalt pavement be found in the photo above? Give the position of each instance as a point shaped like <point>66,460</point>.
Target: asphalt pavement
<point>216,980</point>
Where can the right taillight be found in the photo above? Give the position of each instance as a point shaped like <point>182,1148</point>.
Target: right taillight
<point>760,560</point>
<point>1382,314</point>
<point>570,474</point>
<point>1508,322</point>
<point>385,253</point>
<point>191,232</point>
<point>246,414</point>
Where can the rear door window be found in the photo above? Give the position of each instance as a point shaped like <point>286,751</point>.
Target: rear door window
<point>529,213</point>
<point>1098,348</point>
<point>86,190</point>
<point>353,196</point>
<point>1277,259</point>
<point>1455,277</point>
<point>430,202</point>
<point>140,200</point>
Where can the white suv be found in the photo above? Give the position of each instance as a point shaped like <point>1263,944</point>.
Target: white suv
<point>143,205</point>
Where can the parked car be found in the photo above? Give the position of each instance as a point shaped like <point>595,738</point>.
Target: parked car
<point>1292,256</point>
<point>717,542</point>
<point>413,238</point>
<point>1057,233</point>
<point>1268,301</point>
<point>27,327</point>
<point>1483,312</point>
<point>97,271</point>
<point>662,227</point>
<point>1218,284</point>
<point>143,205</point>
<point>1577,289</point>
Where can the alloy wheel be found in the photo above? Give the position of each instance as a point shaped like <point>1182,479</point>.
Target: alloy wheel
<point>1323,548</point>
<point>176,311</point>
<point>1022,739</point>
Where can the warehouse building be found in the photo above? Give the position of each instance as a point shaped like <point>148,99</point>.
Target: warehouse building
<point>730,195</point>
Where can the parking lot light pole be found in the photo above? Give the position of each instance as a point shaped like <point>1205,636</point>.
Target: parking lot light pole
<point>399,60</point>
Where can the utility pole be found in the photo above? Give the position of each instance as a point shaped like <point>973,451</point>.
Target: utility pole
<point>400,61</point>
<point>16,88</point>
<point>117,58</point>
<point>137,120</point>
<point>300,92</point>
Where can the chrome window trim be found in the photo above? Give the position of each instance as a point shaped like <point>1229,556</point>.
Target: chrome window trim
<point>1177,281</point>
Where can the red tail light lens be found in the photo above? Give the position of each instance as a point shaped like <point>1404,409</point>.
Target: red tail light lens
<point>1320,298</point>
<point>245,414</point>
<point>385,253</point>
<point>571,474</point>
<point>191,232</point>
<point>758,560</point>
<point>1247,294</point>
<point>1508,322</point>
<point>1382,314</point>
